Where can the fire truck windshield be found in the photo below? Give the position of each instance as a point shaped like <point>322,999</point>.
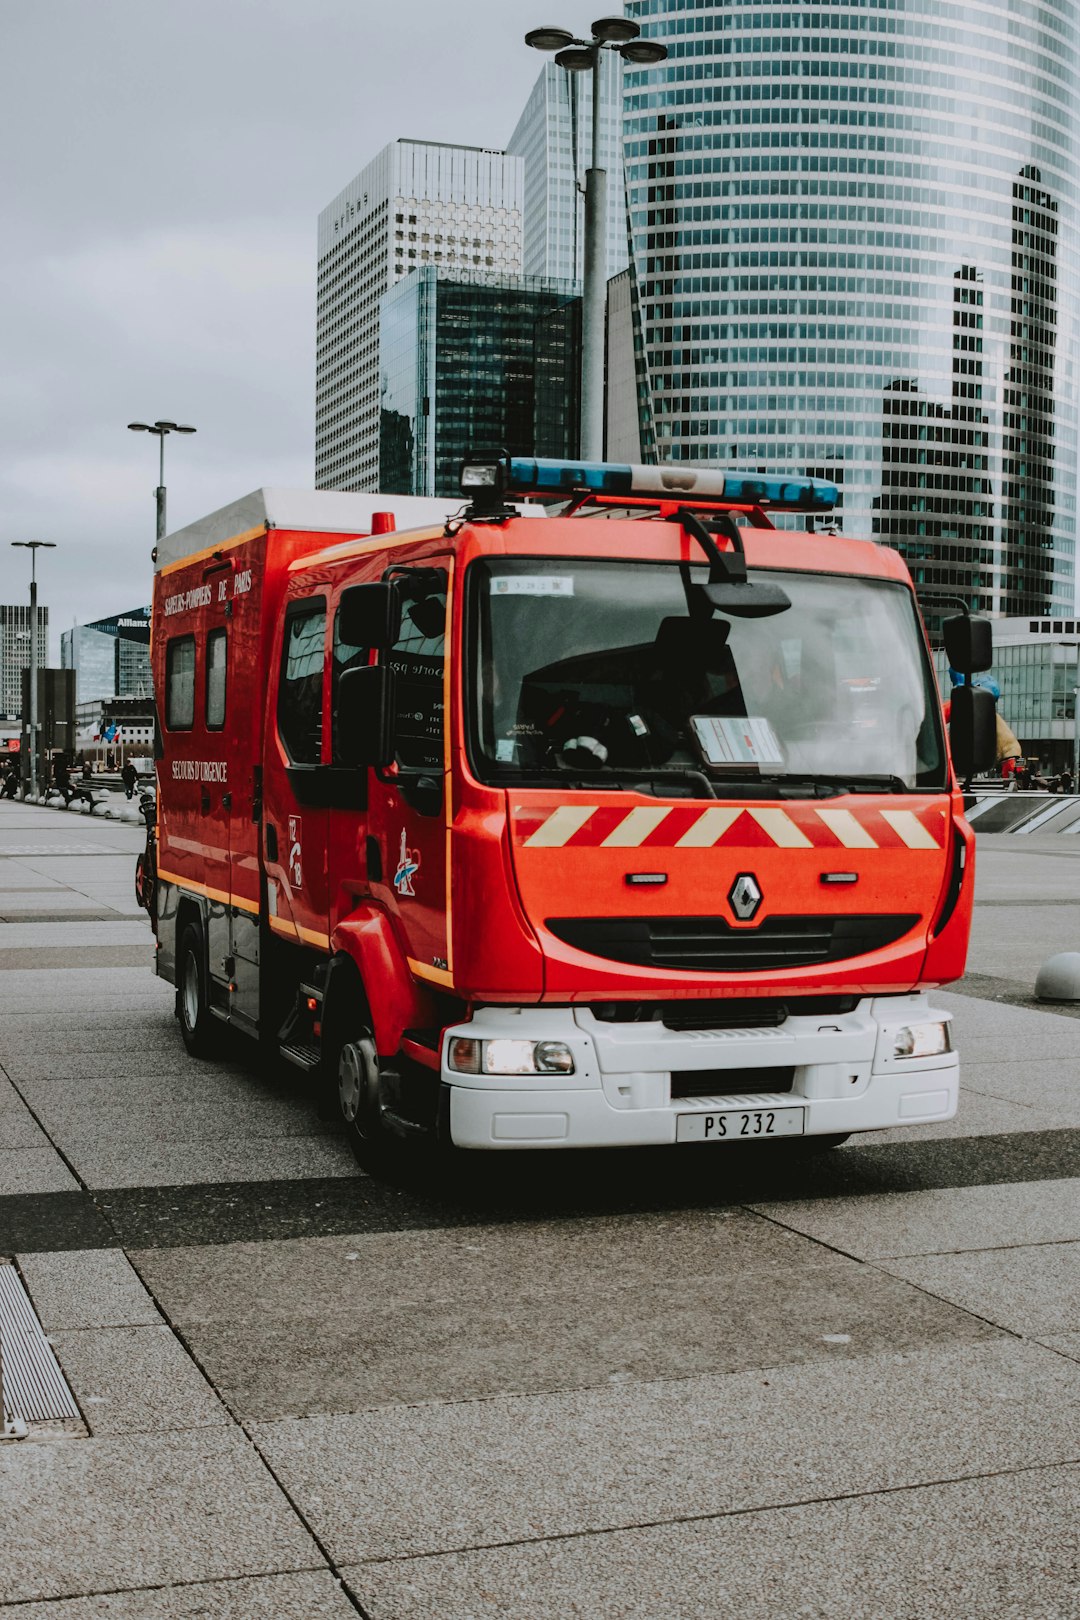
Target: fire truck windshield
<point>598,671</point>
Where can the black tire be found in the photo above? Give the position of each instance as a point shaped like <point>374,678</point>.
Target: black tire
<point>198,1026</point>
<point>361,1084</point>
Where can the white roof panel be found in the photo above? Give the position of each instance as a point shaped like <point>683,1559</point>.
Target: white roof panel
<point>315,510</point>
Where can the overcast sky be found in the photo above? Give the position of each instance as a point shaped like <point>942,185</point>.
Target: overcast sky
<point>165,164</point>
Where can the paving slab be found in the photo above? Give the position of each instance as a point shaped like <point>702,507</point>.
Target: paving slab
<point>52,1221</point>
<point>34,1170</point>
<point>1051,1086</point>
<point>342,1324</point>
<point>939,1222</point>
<point>104,1163</point>
<point>119,932</point>
<point>42,1035</point>
<point>437,1478</point>
<point>18,1127</point>
<point>51,958</point>
<point>313,1596</point>
<point>45,900</point>
<point>165,1055</point>
<point>142,1510</point>
<point>1030,1290</point>
<point>987,1549</point>
<point>144,1112</point>
<point>136,1380</point>
<point>977,1115</point>
<point>86,1288</point>
<point>1066,1344</point>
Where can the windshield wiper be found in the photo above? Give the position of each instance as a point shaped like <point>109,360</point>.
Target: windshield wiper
<point>659,783</point>
<point>836,782</point>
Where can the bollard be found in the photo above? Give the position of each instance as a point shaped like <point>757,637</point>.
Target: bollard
<point>1059,978</point>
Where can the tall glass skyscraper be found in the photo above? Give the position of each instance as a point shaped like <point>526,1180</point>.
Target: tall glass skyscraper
<point>855,233</point>
<point>469,362</point>
<point>553,137</point>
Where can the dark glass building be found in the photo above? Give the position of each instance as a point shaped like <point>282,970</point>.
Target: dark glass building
<point>470,362</point>
<point>855,237</point>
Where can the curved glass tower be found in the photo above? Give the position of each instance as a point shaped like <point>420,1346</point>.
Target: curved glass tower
<point>855,237</point>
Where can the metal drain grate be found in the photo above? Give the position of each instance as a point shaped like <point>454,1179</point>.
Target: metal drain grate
<point>34,1388</point>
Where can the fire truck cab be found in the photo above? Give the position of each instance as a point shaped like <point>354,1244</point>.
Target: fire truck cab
<point>627,822</point>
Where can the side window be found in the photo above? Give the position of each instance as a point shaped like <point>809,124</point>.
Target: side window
<point>418,658</point>
<point>346,656</point>
<point>216,656</point>
<point>180,684</point>
<point>300,693</point>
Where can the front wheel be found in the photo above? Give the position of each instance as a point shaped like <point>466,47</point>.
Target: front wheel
<point>379,1111</point>
<point>198,1026</point>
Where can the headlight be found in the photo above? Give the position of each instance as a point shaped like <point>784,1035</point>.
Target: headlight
<point>506,1056</point>
<point>921,1041</point>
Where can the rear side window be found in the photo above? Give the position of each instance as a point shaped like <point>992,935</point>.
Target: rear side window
<point>180,684</point>
<point>300,694</point>
<point>216,654</point>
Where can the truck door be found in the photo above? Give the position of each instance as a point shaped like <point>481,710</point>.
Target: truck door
<point>407,805</point>
<point>295,819</point>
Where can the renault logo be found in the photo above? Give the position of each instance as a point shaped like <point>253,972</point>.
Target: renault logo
<point>744,896</point>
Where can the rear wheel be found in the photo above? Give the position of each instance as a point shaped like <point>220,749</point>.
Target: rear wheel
<point>198,1025</point>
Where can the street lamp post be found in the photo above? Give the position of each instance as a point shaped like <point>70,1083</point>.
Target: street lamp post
<point>161,429</point>
<point>33,547</point>
<point>583,56</point>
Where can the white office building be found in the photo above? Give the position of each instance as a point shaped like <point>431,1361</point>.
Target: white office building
<point>15,653</point>
<point>554,140</point>
<point>416,203</point>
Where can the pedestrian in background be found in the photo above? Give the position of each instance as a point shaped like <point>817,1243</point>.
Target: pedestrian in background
<point>62,778</point>
<point>129,776</point>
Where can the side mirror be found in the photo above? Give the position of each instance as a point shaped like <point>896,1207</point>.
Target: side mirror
<point>370,615</point>
<point>972,729</point>
<point>365,714</point>
<point>969,643</point>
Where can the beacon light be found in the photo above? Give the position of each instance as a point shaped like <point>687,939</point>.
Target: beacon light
<point>546,477</point>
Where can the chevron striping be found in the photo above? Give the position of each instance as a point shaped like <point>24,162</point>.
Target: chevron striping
<point>848,829</point>
<point>636,827</point>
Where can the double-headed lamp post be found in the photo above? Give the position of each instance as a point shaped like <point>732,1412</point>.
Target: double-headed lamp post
<point>581,56</point>
<point>33,547</point>
<point>161,429</point>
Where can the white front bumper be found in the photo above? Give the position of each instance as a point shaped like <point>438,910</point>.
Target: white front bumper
<point>620,1093</point>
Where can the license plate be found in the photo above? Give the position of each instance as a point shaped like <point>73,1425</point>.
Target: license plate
<point>740,1125</point>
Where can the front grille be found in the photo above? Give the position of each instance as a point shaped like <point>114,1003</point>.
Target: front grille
<point>733,1012</point>
<point>729,1082</point>
<point>712,945</point>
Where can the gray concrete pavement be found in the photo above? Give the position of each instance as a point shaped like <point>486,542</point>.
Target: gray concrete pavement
<point>660,1384</point>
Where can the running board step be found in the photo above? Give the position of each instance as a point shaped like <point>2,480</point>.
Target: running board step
<point>307,1058</point>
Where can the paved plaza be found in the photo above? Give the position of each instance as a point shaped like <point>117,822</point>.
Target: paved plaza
<point>677,1384</point>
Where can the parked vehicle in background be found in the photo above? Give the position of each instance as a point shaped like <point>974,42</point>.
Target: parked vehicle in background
<point>634,824</point>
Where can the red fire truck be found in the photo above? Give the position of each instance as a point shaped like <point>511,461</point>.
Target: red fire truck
<point>630,821</point>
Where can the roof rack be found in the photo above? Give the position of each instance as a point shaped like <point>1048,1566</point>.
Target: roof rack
<point>490,481</point>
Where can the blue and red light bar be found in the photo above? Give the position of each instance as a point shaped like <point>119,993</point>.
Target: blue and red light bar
<point>510,477</point>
